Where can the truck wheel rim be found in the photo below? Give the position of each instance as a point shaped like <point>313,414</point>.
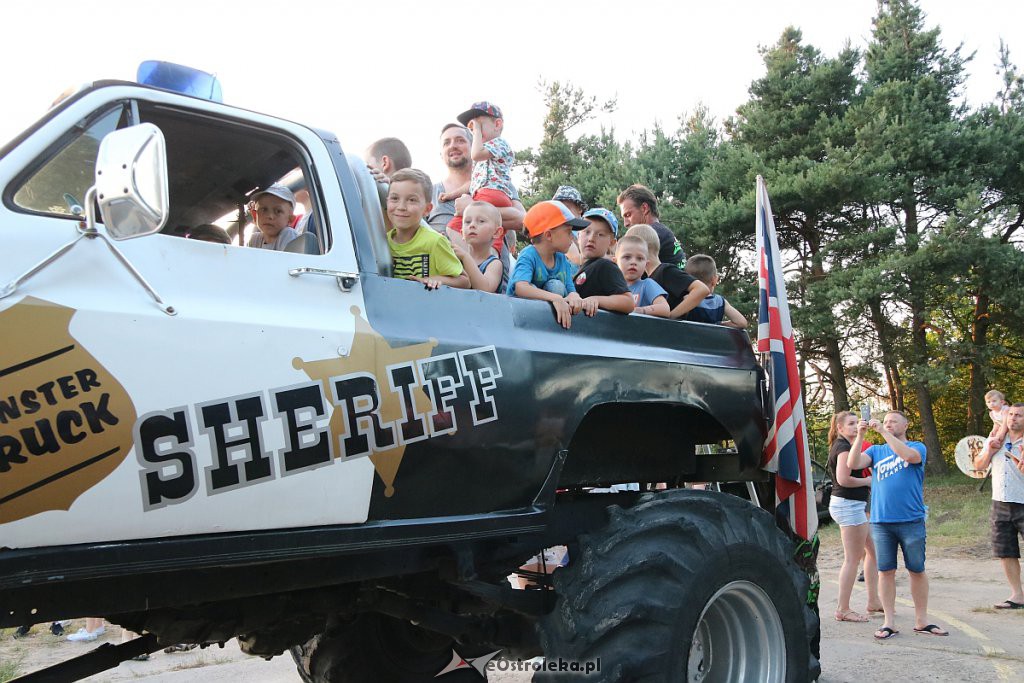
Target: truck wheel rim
<point>739,637</point>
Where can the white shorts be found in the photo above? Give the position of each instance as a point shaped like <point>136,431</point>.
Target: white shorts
<point>848,512</point>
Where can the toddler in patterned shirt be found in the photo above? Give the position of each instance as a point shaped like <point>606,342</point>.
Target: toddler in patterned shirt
<point>493,158</point>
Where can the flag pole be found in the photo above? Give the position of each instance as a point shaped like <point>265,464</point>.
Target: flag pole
<point>786,448</point>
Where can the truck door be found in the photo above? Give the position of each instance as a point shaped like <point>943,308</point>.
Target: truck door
<point>121,420</point>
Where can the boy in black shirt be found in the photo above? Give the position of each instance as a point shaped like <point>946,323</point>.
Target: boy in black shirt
<point>684,290</point>
<point>599,281</point>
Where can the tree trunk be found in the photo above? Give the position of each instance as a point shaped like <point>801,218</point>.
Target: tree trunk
<point>936,463</point>
<point>840,394</point>
<point>976,397</point>
<point>890,364</point>
<point>835,367</point>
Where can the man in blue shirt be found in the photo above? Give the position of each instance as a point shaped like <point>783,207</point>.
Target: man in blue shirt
<point>898,515</point>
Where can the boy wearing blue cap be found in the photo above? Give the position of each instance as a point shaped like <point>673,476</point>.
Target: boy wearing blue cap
<point>599,281</point>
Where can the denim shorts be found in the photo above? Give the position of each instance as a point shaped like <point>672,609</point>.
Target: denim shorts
<point>847,512</point>
<point>910,536</point>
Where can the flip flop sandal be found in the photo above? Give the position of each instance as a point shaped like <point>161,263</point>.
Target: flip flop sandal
<point>932,630</point>
<point>1009,604</point>
<point>886,632</point>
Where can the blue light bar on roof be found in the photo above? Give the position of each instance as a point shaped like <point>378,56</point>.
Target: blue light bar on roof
<point>180,79</point>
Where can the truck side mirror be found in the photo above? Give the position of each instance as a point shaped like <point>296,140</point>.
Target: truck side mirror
<point>131,181</point>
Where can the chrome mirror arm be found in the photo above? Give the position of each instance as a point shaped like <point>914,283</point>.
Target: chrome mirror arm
<point>87,229</point>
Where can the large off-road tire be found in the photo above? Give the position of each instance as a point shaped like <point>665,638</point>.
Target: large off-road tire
<point>684,586</point>
<point>373,648</point>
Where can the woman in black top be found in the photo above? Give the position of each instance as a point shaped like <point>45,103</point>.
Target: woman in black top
<point>848,507</point>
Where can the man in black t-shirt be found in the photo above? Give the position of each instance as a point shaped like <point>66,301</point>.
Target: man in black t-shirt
<point>639,206</point>
<point>599,281</point>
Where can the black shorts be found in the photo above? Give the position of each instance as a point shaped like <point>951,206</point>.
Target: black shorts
<point>1007,524</point>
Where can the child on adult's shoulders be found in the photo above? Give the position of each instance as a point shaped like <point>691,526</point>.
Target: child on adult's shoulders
<point>599,282</point>
<point>648,296</point>
<point>713,309</point>
<point>273,209</point>
<point>682,290</point>
<point>542,271</point>
<point>493,158</point>
<point>998,407</point>
<point>481,224</point>
<point>418,252</point>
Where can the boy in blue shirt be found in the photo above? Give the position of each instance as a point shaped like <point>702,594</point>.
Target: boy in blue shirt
<point>542,271</point>
<point>898,515</point>
<point>649,298</point>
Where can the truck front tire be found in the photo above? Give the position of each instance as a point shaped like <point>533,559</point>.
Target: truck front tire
<point>686,585</point>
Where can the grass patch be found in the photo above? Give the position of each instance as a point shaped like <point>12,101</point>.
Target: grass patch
<point>957,516</point>
<point>10,668</point>
<point>957,512</point>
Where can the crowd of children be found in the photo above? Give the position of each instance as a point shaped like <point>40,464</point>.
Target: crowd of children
<point>576,259</point>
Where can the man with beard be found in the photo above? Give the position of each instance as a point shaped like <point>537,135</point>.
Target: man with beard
<point>455,144</point>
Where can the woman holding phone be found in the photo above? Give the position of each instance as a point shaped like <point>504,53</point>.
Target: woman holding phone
<point>848,507</point>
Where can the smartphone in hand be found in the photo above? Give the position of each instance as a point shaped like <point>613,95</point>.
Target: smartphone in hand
<point>865,412</point>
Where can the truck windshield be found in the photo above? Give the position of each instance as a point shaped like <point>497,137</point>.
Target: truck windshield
<point>63,178</point>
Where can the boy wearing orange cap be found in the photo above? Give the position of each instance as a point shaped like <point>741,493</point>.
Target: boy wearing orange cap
<point>542,271</point>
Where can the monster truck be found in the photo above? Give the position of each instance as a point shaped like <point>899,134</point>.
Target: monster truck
<point>201,441</point>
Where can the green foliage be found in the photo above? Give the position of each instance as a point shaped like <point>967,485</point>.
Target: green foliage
<point>899,212</point>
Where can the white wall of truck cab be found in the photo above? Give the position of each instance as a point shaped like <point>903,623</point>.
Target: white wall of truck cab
<point>244,329</point>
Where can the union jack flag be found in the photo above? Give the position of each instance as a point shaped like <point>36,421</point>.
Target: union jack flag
<point>785,450</point>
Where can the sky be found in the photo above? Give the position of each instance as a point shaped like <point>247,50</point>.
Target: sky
<point>404,69</point>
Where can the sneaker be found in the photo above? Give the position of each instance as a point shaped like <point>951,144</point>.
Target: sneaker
<point>57,628</point>
<point>141,658</point>
<point>83,636</point>
<point>22,631</point>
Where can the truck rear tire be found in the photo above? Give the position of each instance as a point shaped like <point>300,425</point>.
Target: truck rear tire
<point>374,648</point>
<point>686,585</point>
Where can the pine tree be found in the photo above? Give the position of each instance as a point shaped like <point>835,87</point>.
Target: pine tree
<point>909,132</point>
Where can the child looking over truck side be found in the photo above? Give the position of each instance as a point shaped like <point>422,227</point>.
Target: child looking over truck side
<point>648,296</point>
<point>684,290</point>
<point>542,271</point>
<point>481,222</point>
<point>417,252</point>
<point>598,281</point>
<point>713,308</point>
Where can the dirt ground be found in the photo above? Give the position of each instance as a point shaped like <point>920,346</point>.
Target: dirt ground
<point>984,644</point>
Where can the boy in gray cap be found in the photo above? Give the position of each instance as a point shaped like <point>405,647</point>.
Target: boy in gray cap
<point>273,210</point>
<point>573,200</point>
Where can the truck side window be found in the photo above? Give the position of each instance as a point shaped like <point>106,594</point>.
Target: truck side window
<point>215,165</point>
<point>62,175</point>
